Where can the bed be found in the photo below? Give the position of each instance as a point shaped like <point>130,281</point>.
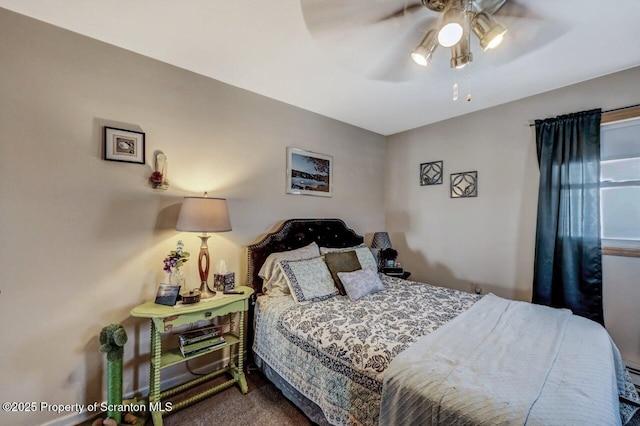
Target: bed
<point>414,353</point>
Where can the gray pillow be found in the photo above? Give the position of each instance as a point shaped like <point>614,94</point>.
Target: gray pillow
<point>360,283</point>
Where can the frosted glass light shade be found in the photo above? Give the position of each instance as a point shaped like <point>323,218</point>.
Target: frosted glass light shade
<point>450,34</point>
<point>203,214</point>
<point>451,29</point>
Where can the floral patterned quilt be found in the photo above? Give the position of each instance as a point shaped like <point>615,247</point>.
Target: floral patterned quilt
<point>335,352</point>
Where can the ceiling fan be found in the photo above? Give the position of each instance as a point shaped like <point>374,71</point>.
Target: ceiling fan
<point>460,18</point>
<point>376,38</point>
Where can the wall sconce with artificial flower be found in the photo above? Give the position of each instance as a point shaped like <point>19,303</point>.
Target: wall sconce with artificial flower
<point>158,178</point>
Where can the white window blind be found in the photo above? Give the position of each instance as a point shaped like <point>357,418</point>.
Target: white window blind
<point>620,183</point>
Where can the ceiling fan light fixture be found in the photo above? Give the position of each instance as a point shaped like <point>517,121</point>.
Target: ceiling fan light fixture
<point>452,25</point>
<point>461,54</point>
<point>423,53</point>
<point>490,32</point>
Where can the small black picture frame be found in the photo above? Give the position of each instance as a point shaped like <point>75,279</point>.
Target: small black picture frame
<point>123,145</point>
<point>431,173</point>
<point>167,294</point>
<point>464,184</point>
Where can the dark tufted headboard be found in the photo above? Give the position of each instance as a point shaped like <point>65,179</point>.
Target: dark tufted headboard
<point>296,233</point>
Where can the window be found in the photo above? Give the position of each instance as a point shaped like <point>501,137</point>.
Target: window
<point>620,185</point>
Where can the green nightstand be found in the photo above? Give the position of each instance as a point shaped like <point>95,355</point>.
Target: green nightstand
<point>165,318</point>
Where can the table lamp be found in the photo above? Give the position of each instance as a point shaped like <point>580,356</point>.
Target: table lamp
<point>380,242</point>
<point>204,214</point>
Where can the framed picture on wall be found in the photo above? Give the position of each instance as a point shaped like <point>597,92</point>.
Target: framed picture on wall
<point>431,173</point>
<point>123,145</point>
<point>464,184</point>
<point>309,173</point>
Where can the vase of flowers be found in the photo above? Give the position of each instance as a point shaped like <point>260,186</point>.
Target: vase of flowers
<point>173,262</point>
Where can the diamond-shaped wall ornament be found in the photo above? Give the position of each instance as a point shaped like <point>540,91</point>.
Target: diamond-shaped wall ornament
<point>431,173</point>
<point>464,185</point>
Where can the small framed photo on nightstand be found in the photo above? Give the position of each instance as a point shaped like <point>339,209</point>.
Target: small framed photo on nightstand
<point>167,294</point>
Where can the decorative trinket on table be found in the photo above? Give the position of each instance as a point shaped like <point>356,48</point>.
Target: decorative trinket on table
<point>190,297</point>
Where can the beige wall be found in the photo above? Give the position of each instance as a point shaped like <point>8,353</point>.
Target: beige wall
<point>489,240</point>
<point>82,239</point>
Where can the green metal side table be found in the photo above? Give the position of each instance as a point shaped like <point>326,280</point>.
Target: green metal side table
<point>166,318</point>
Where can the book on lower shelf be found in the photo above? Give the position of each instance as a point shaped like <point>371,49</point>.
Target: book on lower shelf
<point>193,342</point>
<point>198,335</point>
<point>202,346</point>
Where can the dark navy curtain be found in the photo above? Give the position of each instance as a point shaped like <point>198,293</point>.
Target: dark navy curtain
<point>568,259</point>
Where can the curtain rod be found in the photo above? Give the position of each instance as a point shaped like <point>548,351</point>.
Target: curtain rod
<point>609,110</point>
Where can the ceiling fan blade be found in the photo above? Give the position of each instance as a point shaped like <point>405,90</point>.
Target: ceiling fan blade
<point>392,62</point>
<point>515,9</point>
<point>330,15</point>
<point>525,36</point>
<point>372,39</point>
<point>407,9</point>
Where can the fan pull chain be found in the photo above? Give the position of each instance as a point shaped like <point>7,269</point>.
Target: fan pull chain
<point>468,84</point>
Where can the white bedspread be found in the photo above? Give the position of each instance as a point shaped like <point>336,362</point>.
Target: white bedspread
<point>506,362</point>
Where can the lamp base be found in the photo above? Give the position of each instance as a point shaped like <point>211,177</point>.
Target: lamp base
<point>205,293</point>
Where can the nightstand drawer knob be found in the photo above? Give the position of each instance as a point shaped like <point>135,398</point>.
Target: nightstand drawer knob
<point>208,314</point>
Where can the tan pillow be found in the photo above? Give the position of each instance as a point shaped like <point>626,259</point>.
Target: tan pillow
<point>274,282</point>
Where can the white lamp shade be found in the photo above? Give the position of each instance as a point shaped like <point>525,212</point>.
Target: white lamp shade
<point>203,214</point>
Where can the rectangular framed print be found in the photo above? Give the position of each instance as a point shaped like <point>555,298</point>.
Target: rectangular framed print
<point>309,173</point>
<point>123,145</point>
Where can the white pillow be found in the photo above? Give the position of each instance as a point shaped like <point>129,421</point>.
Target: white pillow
<point>309,280</point>
<point>358,284</point>
<point>365,257</point>
<point>274,282</point>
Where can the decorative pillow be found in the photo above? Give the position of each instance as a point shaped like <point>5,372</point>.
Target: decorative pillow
<point>309,280</point>
<point>358,284</point>
<point>274,282</point>
<point>365,257</point>
<point>346,261</point>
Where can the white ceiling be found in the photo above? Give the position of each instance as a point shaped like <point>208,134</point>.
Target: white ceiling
<point>265,46</point>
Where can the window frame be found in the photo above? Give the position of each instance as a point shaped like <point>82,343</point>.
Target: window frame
<point>612,117</point>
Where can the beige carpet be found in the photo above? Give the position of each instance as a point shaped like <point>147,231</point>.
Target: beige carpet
<point>263,405</point>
